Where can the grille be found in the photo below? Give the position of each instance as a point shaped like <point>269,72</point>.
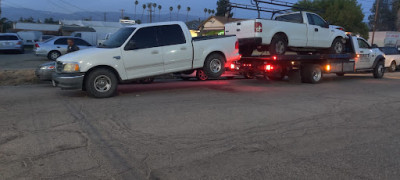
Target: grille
<point>59,66</point>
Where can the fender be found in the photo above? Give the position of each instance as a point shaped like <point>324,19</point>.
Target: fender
<point>377,59</point>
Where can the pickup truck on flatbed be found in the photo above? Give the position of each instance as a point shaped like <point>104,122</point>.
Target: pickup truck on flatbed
<point>143,51</point>
<point>359,57</point>
<point>301,32</point>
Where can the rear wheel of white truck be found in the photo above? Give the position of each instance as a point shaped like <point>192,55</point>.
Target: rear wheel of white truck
<point>214,66</point>
<point>337,46</point>
<point>392,67</point>
<point>311,73</point>
<point>379,70</point>
<point>101,83</point>
<point>278,45</point>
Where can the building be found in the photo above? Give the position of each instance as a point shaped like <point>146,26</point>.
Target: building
<point>215,25</point>
<point>49,29</point>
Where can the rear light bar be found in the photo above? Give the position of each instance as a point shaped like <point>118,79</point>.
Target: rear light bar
<point>269,67</point>
<point>257,27</point>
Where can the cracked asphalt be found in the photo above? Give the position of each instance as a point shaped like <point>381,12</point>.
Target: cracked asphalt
<point>344,128</point>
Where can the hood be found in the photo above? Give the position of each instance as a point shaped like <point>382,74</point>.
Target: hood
<point>85,54</point>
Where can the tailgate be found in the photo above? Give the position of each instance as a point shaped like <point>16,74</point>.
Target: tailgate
<point>242,29</point>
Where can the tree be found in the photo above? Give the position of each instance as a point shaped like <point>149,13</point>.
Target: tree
<point>50,21</point>
<point>159,12</point>
<point>213,12</point>
<point>209,11</point>
<point>205,13</point>
<point>345,13</point>
<point>170,12</point>
<point>5,24</point>
<point>144,8</point>
<point>187,14</point>
<point>177,15</point>
<point>149,5</point>
<point>224,8</point>
<point>387,16</point>
<point>154,7</point>
<point>136,3</point>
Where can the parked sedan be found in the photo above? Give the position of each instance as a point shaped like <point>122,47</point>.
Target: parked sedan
<point>392,58</point>
<point>57,46</point>
<point>11,42</point>
<point>44,71</point>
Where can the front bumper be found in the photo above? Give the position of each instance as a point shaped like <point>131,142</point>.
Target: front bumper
<point>68,81</point>
<point>44,74</point>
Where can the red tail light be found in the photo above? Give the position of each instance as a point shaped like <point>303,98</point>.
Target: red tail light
<point>257,27</point>
<point>19,42</point>
<point>274,58</point>
<point>269,67</point>
<point>237,45</point>
<point>37,45</point>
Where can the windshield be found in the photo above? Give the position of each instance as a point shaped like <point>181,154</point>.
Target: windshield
<point>118,38</point>
<point>8,37</point>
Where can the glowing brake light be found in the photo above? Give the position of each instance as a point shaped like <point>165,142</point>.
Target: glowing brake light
<point>237,45</point>
<point>269,67</point>
<point>233,66</point>
<point>328,67</point>
<point>274,58</point>
<point>37,45</point>
<point>257,27</point>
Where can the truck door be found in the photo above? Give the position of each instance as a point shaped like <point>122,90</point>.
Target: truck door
<point>365,55</point>
<point>176,50</point>
<point>142,55</point>
<point>318,31</point>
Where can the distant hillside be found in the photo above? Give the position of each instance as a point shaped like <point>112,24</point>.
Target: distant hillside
<point>15,13</point>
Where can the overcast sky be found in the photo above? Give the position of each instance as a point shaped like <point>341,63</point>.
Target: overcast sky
<point>197,6</point>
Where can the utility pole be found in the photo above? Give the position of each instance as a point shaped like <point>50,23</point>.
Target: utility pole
<point>376,19</point>
<point>105,17</point>
<point>122,13</point>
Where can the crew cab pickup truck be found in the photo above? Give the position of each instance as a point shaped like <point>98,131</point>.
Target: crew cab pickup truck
<point>142,51</point>
<point>392,55</point>
<point>359,56</point>
<point>298,31</point>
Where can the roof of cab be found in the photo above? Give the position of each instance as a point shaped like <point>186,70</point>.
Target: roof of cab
<point>156,24</point>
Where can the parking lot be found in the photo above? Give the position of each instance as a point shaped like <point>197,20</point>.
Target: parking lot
<point>344,128</point>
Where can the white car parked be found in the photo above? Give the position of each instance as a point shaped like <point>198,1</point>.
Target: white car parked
<point>57,46</point>
<point>11,42</point>
<point>298,31</point>
<point>392,61</point>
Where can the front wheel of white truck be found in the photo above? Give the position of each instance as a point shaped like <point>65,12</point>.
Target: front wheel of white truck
<point>214,66</point>
<point>101,83</point>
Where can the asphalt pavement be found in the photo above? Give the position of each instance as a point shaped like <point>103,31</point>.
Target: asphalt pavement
<point>344,128</point>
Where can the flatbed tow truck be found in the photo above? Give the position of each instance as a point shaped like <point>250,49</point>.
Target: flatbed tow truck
<point>359,57</point>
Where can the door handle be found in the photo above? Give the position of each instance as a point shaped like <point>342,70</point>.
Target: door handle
<point>117,57</point>
<point>238,30</point>
<point>183,48</point>
<point>154,52</point>
<point>316,29</point>
<point>58,47</point>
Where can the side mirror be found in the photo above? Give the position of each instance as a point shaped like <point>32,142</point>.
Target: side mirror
<point>130,46</point>
<point>374,46</point>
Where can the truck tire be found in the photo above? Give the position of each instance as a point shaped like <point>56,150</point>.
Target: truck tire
<point>337,46</point>
<point>379,70</point>
<point>53,55</point>
<point>214,66</point>
<point>201,75</point>
<point>392,67</point>
<point>311,73</point>
<point>101,83</point>
<point>278,45</point>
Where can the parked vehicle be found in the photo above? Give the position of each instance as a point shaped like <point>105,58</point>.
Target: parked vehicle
<point>297,31</point>
<point>57,46</point>
<point>90,37</point>
<point>44,71</point>
<point>46,37</point>
<point>11,42</point>
<point>392,60</point>
<point>30,37</point>
<point>359,57</point>
<point>142,51</point>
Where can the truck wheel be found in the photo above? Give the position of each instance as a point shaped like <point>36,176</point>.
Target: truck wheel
<point>214,66</point>
<point>201,75</point>
<point>337,46</point>
<point>379,70</point>
<point>393,67</point>
<point>101,83</point>
<point>311,73</point>
<point>53,55</point>
<point>340,74</point>
<point>278,45</point>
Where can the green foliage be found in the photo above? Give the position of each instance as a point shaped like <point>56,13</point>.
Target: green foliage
<point>223,7</point>
<point>345,13</point>
<point>387,16</point>
<point>27,20</point>
<point>5,25</point>
<point>50,21</point>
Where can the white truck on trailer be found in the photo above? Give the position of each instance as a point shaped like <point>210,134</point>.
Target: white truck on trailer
<point>302,32</point>
<point>143,51</point>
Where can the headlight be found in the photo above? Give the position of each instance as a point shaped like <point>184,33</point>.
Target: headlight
<point>71,67</point>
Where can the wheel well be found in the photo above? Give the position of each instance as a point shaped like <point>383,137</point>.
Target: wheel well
<point>283,35</point>
<point>102,66</point>
<point>48,54</point>
<point>217,52</point>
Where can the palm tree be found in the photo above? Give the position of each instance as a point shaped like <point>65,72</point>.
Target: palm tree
<point>149,5</point>
<point>209,11</point>
<point>187,14</point>
<point>154,11</point>
<point>205,13</point>
<point>159,12</point>
<point>170,12</point>
<point>213,12</point>
<point>179,8</point>
<point>144,8</point>
<point>136,3</point>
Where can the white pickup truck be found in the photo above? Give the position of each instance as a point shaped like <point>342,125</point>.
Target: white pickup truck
<point>302,32</point>
<point>392,61</point>
<point>142,51</point>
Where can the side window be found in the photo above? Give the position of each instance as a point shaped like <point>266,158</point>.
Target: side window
<point>171,35</point>
<point>295,18</point>
<point>61,41</point>
<point>145,38</point>
<point>318,21</point>
<point>80,42</point>
<point>310,19</point>
<point>362,44</point>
